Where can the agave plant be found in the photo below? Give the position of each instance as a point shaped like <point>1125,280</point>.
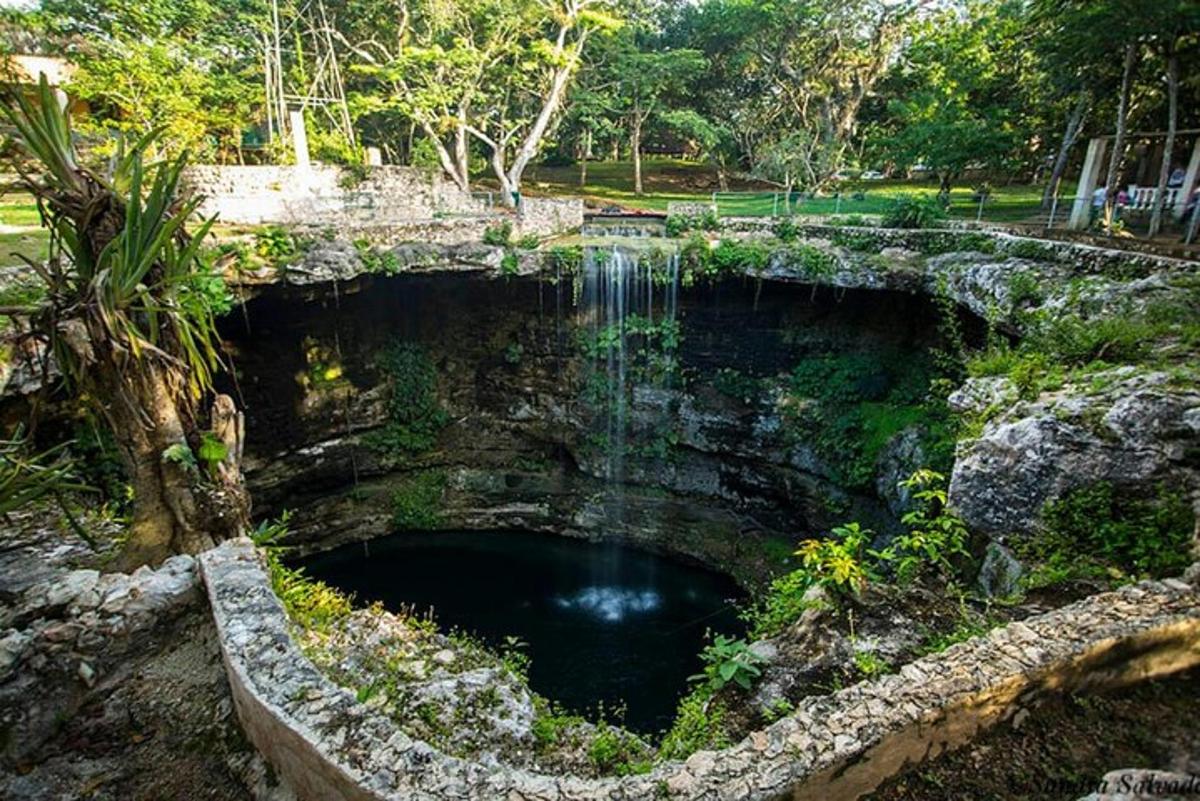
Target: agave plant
<point>129,330</point>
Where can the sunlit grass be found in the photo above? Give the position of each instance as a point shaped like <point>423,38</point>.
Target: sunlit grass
<point>667,179</point>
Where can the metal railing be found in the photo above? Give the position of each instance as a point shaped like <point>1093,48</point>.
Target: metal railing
<point>963,205</point>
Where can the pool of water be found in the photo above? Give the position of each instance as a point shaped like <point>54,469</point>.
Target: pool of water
<point>604,624</point>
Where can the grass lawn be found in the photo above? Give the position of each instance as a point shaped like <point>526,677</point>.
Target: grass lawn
<point>20,230</point>
<point>668,179</point>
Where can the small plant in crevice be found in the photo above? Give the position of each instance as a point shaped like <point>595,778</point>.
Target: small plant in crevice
<point>934,535</point>
<point>499,234</point>
<point>870,664</point>
<point>838,563</point>
<point>729,661</point>
<point>699,725</point>
<point>510,264</point>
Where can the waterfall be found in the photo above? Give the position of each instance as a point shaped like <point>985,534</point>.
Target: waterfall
<point>627,305</point>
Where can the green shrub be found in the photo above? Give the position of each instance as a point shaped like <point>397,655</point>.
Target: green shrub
<point>914,211</point>
<point>837,563</point>
<point>499,234</point>
<point>416,501</point>
<point>1023,288</point>
<point>1137,535</point>
<point>857,241</point>
<point>1032,250</point>
<point>564,258</point>
<point>310,604</point>
<point>510,264</point>
<point>781,605</point>
<point>699,725</point>
<point>529,242</point>
<point>613,751</point>
<point>786,229</point>
<point>934,534</point>
<point>871,664</point>
<point>729,661</point>
<point>275,245</point>
<point>677,225</point>
<point>414,414</point>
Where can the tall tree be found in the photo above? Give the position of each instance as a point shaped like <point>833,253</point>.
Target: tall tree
<point>128,315</point>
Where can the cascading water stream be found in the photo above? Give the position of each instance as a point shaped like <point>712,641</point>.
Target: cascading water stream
<point>628,299</point>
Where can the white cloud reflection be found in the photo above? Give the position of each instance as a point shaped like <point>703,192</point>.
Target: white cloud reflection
<point>611,604</point>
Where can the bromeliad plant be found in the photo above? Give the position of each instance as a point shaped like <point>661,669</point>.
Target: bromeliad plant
<point>128,317</point>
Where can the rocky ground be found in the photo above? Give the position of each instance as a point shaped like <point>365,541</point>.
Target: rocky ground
<point>1063,750</point>
<point>112,685</point>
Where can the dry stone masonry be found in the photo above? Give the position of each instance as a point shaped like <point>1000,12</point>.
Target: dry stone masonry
<point>330,746</point>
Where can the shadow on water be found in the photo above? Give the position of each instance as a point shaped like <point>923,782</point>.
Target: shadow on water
<point>604,624</point>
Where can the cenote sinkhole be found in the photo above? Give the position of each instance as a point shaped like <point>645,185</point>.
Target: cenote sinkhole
<point>604,624</point>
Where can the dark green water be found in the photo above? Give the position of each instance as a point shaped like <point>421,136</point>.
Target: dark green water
<point>604,623</point>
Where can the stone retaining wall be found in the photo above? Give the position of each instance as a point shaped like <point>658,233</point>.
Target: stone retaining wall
<point>329,746</point>
<point>419,202</point>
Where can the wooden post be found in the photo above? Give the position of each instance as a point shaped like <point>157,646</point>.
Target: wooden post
<point>299,138</point>
<point>1088,179</point>
<point>1189,181</point>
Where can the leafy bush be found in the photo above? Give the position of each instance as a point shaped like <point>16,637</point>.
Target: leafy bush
<point>1023,288</point>
<point>914,211</point>
<point>729,661</point>
<point>510,265</point>
<point>529,242</point>
<point>781,605</point>
<point>416,502</point>
<point>1139,536</point>
<point>786,229</point>
<point>414,414</point>
<point>677,225</point>
<point>1032,249</point>
<point>699,725</point>
<point>837,563</point>
<point>499,234</point>
<point>857,241</point>
<point>275,245</point>
<point>310,604</point>
<point>935,534</point>
<point>564,258</point>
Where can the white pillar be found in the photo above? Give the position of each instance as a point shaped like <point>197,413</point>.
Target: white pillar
<point>1189,180</point>
<point>374,157</point>
<point>1088,178</point>
<point>299,138</point>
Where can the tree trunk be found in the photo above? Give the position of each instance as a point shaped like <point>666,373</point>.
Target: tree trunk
<point>180,506</point>
<point>462,156</point>
<point>449,163</point>
<point>1164,174</point>
<point>583,158</point>
<point>635,150</point>
<point>1118,151</point>
<point>1074,126</point>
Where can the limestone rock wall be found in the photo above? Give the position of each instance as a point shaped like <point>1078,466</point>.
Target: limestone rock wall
<point>329,746</point>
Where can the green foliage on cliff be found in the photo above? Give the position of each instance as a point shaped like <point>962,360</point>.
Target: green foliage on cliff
<point>1111,530</point>
<point>699,725</point>
<point>310,604</point>
<point>848,406</point>
<point>414,413</point>
<point>417,499</point>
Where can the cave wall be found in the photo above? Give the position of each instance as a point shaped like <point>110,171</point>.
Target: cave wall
<point>708,474</point>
